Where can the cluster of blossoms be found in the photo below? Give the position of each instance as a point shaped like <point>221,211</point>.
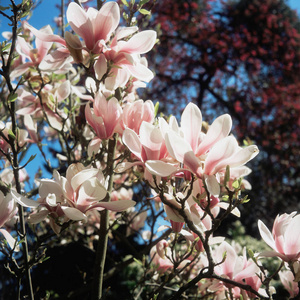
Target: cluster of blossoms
<point>193,170</point>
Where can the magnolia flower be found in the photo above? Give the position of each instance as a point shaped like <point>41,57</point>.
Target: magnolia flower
<point>148,145</point>
<point>105,116</point>
<point>95,27</point>
<point>35,56</point>
<point>287,279</point>
<point>8,210</point>
<point>125,57</point>
<point>285,237</point>
<point>205,155</point>
<point>137,112</point>
<point>71,197</point>
<point>236,268</point>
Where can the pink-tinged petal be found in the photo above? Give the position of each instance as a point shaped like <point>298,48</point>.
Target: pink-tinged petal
<point>100,66</point>
<point>91,190</point>
<point>112,115</point>
<point>132,141</point>
<point>77,92</point>
<point>94,146</point>
<point>191,124</point>
<point>231,257</point>
<point>140,43</point>
<point>239,158</point>
<point>42,46</point>
<point>151,139</point>
<point>10,240</point>
<point>140,72</point>
<point>49,186</point>
<point>54,120</point>
<point>23,47</point>
<point>292,237</point>
<point>249,271</point>
<point>81,24</point>
<point>117,78</point>
<point>218,130</point>
<point>216,240</point>
<point>191,161</point>
<point>177,146</point>
<point>46,36</point>
<point>122,167</point>
<point>38,217</point>
<point>160,168</point>
<point>107,21</point>
<point>23,200</point>
<point>213,186</point>
<point>21,69</point>
<point>31,128</point>
<point>82,176</point>
<point>266,234</point>
<point>220,152</point>
<point>63,91</point>
<point>273,254</point>
<point>74,214</point>
<point>124,32</point>
<point>26,110</point>
<point>115,205</point>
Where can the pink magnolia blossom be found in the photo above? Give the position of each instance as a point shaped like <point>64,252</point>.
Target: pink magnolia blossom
<point>137,112</point>
<point>288,280</point>
<point>104,117</point>
<point>124,56</point>
<point>148,145</point>
<point>71,197</point>
<point>205,155</point>
<point>8,210</point>
<point>51,96</point>
<point>236,268</point>
<point>35,56</point>
<point>95,27</point>
<point>285,237</point>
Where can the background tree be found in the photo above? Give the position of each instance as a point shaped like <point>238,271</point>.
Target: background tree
<point>240,57</point>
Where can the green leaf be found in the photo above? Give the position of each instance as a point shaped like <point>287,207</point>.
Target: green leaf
<point>137,261</point>
<point>6,47</point>
<point>225,198</point>
<point>227,175</point>
<point>144,11</point>
<point>245,199</point>
<point>2,8</point>
<point>125,3</point>
<point>156,108</point>
<point>251,254</point>
<point>236,184</point>
<point>32,157</point>
<point>11,134</point>
<point>142,2</point>
<point>12,97</point>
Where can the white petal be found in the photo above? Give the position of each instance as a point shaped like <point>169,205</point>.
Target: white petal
<point>160,168</point>
<point>23,200</point>
<point>10,240</point>
<point>266,234</point>
<point>74,214</point>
